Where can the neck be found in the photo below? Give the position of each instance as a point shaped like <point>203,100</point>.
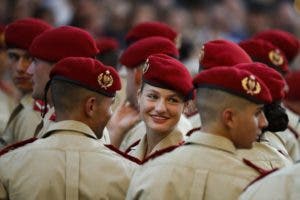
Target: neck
<point>153,139</point>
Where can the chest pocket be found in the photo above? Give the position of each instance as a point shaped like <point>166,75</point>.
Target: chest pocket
<point>198,185</point>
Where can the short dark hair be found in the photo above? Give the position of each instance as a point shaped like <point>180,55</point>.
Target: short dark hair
<point>66,97</point>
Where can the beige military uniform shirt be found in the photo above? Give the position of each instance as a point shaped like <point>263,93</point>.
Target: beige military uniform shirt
<point>7,104</point>
<point>67,162</point>
<point>265,156</point>
<point>49,119</point>
<point>138,131</point>
<point>173,138</point>
<point>23,125</point>
<point>281,185</point>
<point>206,167</point>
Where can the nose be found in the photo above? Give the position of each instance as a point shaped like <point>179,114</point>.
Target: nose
<point>160,106</point>
<point>30,69</point>
<point>23,64</point>
<point>263,122</point>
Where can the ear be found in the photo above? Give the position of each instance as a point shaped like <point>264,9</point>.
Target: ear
<point>138,76</point>
<point>139,95</point>
<point>228,117</point>
<point>90,106</point>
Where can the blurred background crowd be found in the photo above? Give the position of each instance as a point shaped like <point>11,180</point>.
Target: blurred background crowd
<point>197,20</point>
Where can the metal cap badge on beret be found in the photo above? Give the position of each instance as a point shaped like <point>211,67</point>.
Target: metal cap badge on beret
<point>235,81</point>
<point>105,44</point>
<point>222,53</point>
<point>265,52</point>
<point>164,71</point>
<point>138,52</point>
<point>20,33</point>
<point>88,73</point>
<point>63,42</point>
<point>285,41</point>
<point>148,29</point>
<point>293,82</point>
<point>272,79</point>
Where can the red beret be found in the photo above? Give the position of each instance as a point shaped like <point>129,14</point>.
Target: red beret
<point>272,79</point>
<point>178,78</point>
<point>265,52</point>
<point>88,73</point>
<point>148,29</point>
<point>63,42</point>
<point>138,52</point>
<point>293,82</point>
<point>235,81</point>
<point>223,53</point>
<point>20,33</point>
<point>105,44</point>
<point>287,42</point>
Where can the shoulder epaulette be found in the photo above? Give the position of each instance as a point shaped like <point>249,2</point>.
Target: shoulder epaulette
<point>263,173</point>
<point>190,132</point>
<point>129,157</point>
<point>161,152</point>
<point>16,145</point>
<point>53,117</point>
<point>131,146</point>
<point>38,105</point>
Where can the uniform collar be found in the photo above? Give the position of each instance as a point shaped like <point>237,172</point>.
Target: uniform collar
<point>27,100</point>
<point>212,141</point>
<point>173,138</point>
<point>70,125</point>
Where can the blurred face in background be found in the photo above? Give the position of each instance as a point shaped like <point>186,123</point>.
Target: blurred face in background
<point>19,61</point>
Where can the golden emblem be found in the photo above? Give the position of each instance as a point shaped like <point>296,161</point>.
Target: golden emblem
<point>276,57</point>
<point>146,66</point>
<point>251,85</point>
<point>105,80</point>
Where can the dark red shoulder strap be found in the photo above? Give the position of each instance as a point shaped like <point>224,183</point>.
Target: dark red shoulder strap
<point>161,152</point>
<point>263,172</point>
<point>129,157</point>
<point>16,145</point>
<point>190,132</point>
<point>131,146</point>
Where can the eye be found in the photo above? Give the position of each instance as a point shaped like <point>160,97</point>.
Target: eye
<point>28,58</point>
<point>174,100</point>
<point>13,56</point>
<point>258,112</point>
<point>152,96</point>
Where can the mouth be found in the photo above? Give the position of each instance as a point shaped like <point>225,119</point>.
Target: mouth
<point>159,119</point>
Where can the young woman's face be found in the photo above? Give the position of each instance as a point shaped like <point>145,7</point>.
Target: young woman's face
<point>160,108</point>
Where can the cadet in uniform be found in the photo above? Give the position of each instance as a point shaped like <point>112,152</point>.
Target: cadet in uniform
<point>27,114</point>
<point>8,94</point>
<point>161,103</point>
<point>282,184</point>
<point>263,153</point>
<point>68,161</point>
<point>217,53</point>
<point>47,49</point>
<point>278,131</point>
<point>133,58</point>
<point>292,102</point>
<point>230,102</point>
